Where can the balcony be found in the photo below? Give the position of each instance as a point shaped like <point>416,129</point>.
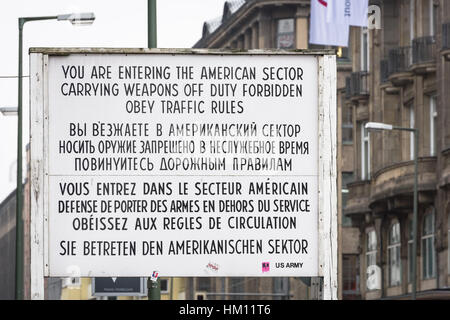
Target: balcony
<point>446,41</point>
<point>384,78</point>
<point>424,55</point>
<point>393,186</point>
<point>358,199</point>
<point>358,85</point>
<point>399,63</point>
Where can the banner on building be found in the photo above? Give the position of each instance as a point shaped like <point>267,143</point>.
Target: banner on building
<point>348,12</point>
<point>324,31</point>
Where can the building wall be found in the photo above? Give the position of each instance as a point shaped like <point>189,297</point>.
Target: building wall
<point>416,75</point>
<point>7,247</point>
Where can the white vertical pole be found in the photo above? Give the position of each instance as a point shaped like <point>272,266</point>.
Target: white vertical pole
<point>37,175</point>
<point>45,152</point>
<point>328,250</point>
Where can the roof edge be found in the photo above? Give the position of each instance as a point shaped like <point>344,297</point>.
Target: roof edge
<point>85,50</point>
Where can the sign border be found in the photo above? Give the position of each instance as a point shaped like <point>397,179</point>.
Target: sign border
<point>327,184</point>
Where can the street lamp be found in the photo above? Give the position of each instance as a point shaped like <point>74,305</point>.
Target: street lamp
<point>377,126</point>
<point>75,19</point>
<point>8,111</point>
<point>78,18</point>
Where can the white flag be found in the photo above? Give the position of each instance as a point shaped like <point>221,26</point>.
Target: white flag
<point>351,12</point>
<point>323,32</point>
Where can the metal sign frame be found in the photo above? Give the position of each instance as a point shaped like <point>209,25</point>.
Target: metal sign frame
<point>327,186</point>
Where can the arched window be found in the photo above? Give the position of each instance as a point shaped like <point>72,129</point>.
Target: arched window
<point>428,250</point>
<point>448,244</point>
<point>371,249</point>
<point>373,277</point>
<point>394,255</point>
<point>410,249</point>
<point>365,152</point>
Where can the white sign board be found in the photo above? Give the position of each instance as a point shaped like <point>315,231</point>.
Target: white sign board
<point>188,164</point>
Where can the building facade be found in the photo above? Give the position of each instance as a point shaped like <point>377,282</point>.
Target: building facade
<point>401,76</point>
<point>284,24</point>
<point>8,247</point>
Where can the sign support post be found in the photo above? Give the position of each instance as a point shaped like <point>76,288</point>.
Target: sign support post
<point>328,245</point>
<point>38,147</point>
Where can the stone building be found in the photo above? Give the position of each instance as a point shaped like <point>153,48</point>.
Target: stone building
<point>401,76</point>
<point>284,24</point>
<point>7,247</point>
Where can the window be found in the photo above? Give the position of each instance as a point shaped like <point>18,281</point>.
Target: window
<point>281,286</point>
<point>412,11</point>
<point>365,55</point>
<point>412,25</point>
<point>433,125</point>
<point>249,38</point>
<point>433,13</point>
<point>365,152</point>
<point>285,34</point>
<point>343,53</point>
<point>203,284</point>
<point>347,124</point>
<point>410,249</point>
<point>164,285</point>
<point>236,285</point>
<point>394,255</point>
<point>371,252</point>
<point>347,177</point>
<point>350,276</point>
<point>412,124</point>
<point>428,251</point>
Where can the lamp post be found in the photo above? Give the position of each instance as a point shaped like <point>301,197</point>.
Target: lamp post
<point>151,24</point>
<point>377,126</point>
<point>154,287</point>
<point>75,19</point>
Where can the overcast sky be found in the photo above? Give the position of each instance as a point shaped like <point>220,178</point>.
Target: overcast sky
<point>117,24</point>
